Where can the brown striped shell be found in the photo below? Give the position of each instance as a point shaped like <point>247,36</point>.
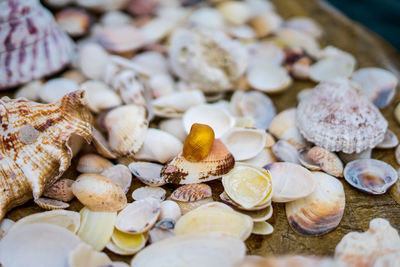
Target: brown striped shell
<point>191,192</point>
<point>33,147</point>
<point>61,190</point>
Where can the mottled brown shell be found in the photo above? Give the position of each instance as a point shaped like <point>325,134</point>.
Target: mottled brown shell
<point>60,190</point>
<point>33,148</point>
<point>191,192</point>
<point>328,161</point>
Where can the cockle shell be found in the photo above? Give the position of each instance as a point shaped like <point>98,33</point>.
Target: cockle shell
<point>328,161</point>
<point>191,192</point>
<point>60,190</point>
<point>32,44</point>
<point>335,117</point>
<point>326,204</point>
<point>147,172</point>
<point>181,171</point>
<point>50,204</point>
<point>34,153</point>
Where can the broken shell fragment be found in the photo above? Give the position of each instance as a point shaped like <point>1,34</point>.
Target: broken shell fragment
<point>60,190</point>
<point>174,105</point>
<point>170,210</point>
<point>191,192</point>
<point>328,161</point>
<point>326,204</point>
<point>370,175</point>
<point>128,243</point>
<point>138,216</point>
<point>157,193</point>
<point>147,172</point>
<point>215,217</point>
<point>85,256</point>
<point>50,204</point>
<point>99,193</point>
<point>390,140</point>
<point>286,152</point>
<point>268,79</point>
<point>290,181</point>
<point>262,228</point>
<point>92,163</point>
<point>198,143</point>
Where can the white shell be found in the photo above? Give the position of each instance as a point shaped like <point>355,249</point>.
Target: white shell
<point>147,172</point>
<point>30,90</point>
<point>263,54</point>
<point>92,60</point>
<point>99,96</point>
<point>115,18</point>
<point>92,163</point>
<point>119,174</point>
<point>206,17</point>
<point>337,66</point>
<point>298,39</point>
<point>85,256</point>
<point>234,12</point>
<point>157,193</point>
<point>5,226</point>
<point>269,79</point>
<point>304,24</point>
<point>174,127</point>
<point>284,151</point>
<point>150,63</point>
<point>55,89</point>
<point>170,210</point>
<point>262,228</point>
<point>266,156</point>
<point>161,84</point>
<point>390,140</point>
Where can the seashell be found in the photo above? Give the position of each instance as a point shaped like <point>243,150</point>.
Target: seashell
<point>5,226</point>
<point>60,190</point>
<point>40,245</point>
<point>395,190</point>
<point>101,145</point>
<point>191,192</point>
<point>264,54</point>
<point>262,228</point>
<point>73,21</point>
<point>157,234</point>
<point>247,185</point>
<point>215,117</point>
<point>85,256</point>
<point>175,105</point>
<point>115,18</point>
<point>198,143</point>
<point>290,181</point>
<point>50,204</point>
<point>236,13</point>
<point>283,127</point>
<point>181,171</point>
<point>138,216</point>
<point>96,227</point>
<point>243,32</point>
<point>167,224</point>
<point>161,84</point>
<point>221,250</point>
<point>328,161</point>
<point>127,128</point>
<point>227,200</point>
<point>92,163</point>
<point>266,23</point>
<point>397,154</point>
<point>301,68</point>
<point>121,39</point>
<point>119,264</point>
<point>67,219</point>
<point>75,143</point>
<point>284,151</point>
<point>99,96</point>
<point>364,249</point>
<point>194,59</point>
<point>158,28</point>
<point>92,60</point>
<point>159,146</point>
<point>157,193</point>
<point>307,162</point>
<point>326,204</point>
<point>55,89</point>
<point>268,79</point>
<point>259,215</point>
<point>389,141</point>
<point>102,5</point>
<point>206,17</point>
<point>291,260</point>
<point>346,158</point>
<point>57,3</point>
<point>119,174</point>
<point>304,24</point>
<point>33,45</point>
<point>336,118</point>
<point>244,143</point>
<point>74,75</point>
<point>170,210</point>
<point>42,136</point>
<point>255,105</point>
<point>99,193</point>
<point>215,217</point>
<point>266,156</point>
<point>378,85</point>
<point>30,90</point>
<point>370,175</point>
<point>142,7</point>
<point>296,39</point>
<point>303,94</point>
<point>126,244</point>
<point>186,207</point>
<point>331,67</point>
<point>174,127</point>
<point>147,172</point>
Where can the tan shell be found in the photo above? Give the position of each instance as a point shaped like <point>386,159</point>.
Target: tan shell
<point>92,163</point>
<point>119,174</point>
<point>85,256</point>
<point>186,207</point>
<point>335,117</point>
<point>35,145</point>
<point>191,192</point>
<point>364,249</point>
<point>328,161</point>
<point>181,171</point>
<point>60,190</point>
<point>50,204</point>
<point>99,193</point>
<point>326,204</point>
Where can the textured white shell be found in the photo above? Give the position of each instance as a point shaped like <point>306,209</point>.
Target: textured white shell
<point>337,118</point>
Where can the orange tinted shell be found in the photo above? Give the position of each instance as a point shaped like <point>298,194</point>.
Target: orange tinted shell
<point>198,143</point>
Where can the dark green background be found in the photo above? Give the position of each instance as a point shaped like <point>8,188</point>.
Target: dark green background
<point>380,16</point>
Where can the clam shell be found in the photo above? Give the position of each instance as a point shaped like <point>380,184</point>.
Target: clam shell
<point>174,127</point>
<point>244,143</point>
<point>92,60</point>
<point>5,226</point>
<point>99,193</point>
<point>221,250</point>
<point>213,116</point>
<point>60,190</point>
<point>147,172</point>
<point>370,175</point>
<point>170,210</point>
<point>378,85</point>
<point>101,145</point>
<point>74,75</point>
<point>298,39</point>
<point>326,204</point>
<point>30,90</point>
<point>206,17</point>
<point>215,217</point>
<point>266,156</point>
<point>290,181</point>
<point>99,96</point>
<point>150,63</point>
<point>264,54</point>
<point>115,18</point>
<point>268,79</point>
<point>262,228</point>
<point>139,216</point>
<point>40,245</point>
<point>186,207</point>
<point>390,140</point>
<point>127,128</point>
<point>328,161</point>
<point>284,151</point>
<point>337,118</point>
<point>181,171</point>
<point>161,84</point>
<point>266,23</point>
<point>259,215</point>
<point>92,163</point>
<point>121,39</point>
<point>304,24</point>
<point>127,244</point>
<point>119,174</point>
<point>157,193</point>
<point>55,89</point>
<point>96,227</point>
<point>191,192</point>
<point>85,256</point>
<point>307,162</point>
<point>236,13</point>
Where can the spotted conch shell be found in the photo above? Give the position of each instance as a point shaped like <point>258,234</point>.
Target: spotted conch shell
<point>33,146</point>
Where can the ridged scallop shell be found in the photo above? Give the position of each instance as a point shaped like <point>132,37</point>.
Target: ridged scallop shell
<point>50,204</point>
<point>326,204</point>
<point>32,44</point>
<point>335,117</point>
<point>191,192</point>
<point>181,171</point>
<point>34,153</point>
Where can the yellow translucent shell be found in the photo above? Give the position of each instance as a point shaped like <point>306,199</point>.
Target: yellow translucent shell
<point>128,244</point>
<point>198,143</point>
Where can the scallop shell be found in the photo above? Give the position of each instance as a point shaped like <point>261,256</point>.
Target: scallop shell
<point>174,105</point>
<point>244,143</point>
<point>284,151</point>
<point>60,190</point>
<point>157,193</point>
<point>390,140</point>
<point>262,228</point>
<point>33,45</point>
<point>326,204</point>
<point>290,181</point>
<point>50,204</point>
<point>92,163</point>
<point>85,256</point>
<point>328,161</point>
<point>119,174</point>
<point>337,118</point>
<point>370,175</point>
<point>181,171</point>
<point>215,217</point>
<point>35,145</point>
<point>191,192</point>
<point>147,172</point>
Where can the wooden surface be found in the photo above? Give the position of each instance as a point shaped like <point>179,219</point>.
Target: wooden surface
<point>369,50</point>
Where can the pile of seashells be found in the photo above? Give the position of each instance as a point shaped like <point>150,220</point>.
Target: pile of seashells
<point>148,88</point>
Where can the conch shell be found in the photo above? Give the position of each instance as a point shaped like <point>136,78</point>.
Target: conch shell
<point>34,152</point>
